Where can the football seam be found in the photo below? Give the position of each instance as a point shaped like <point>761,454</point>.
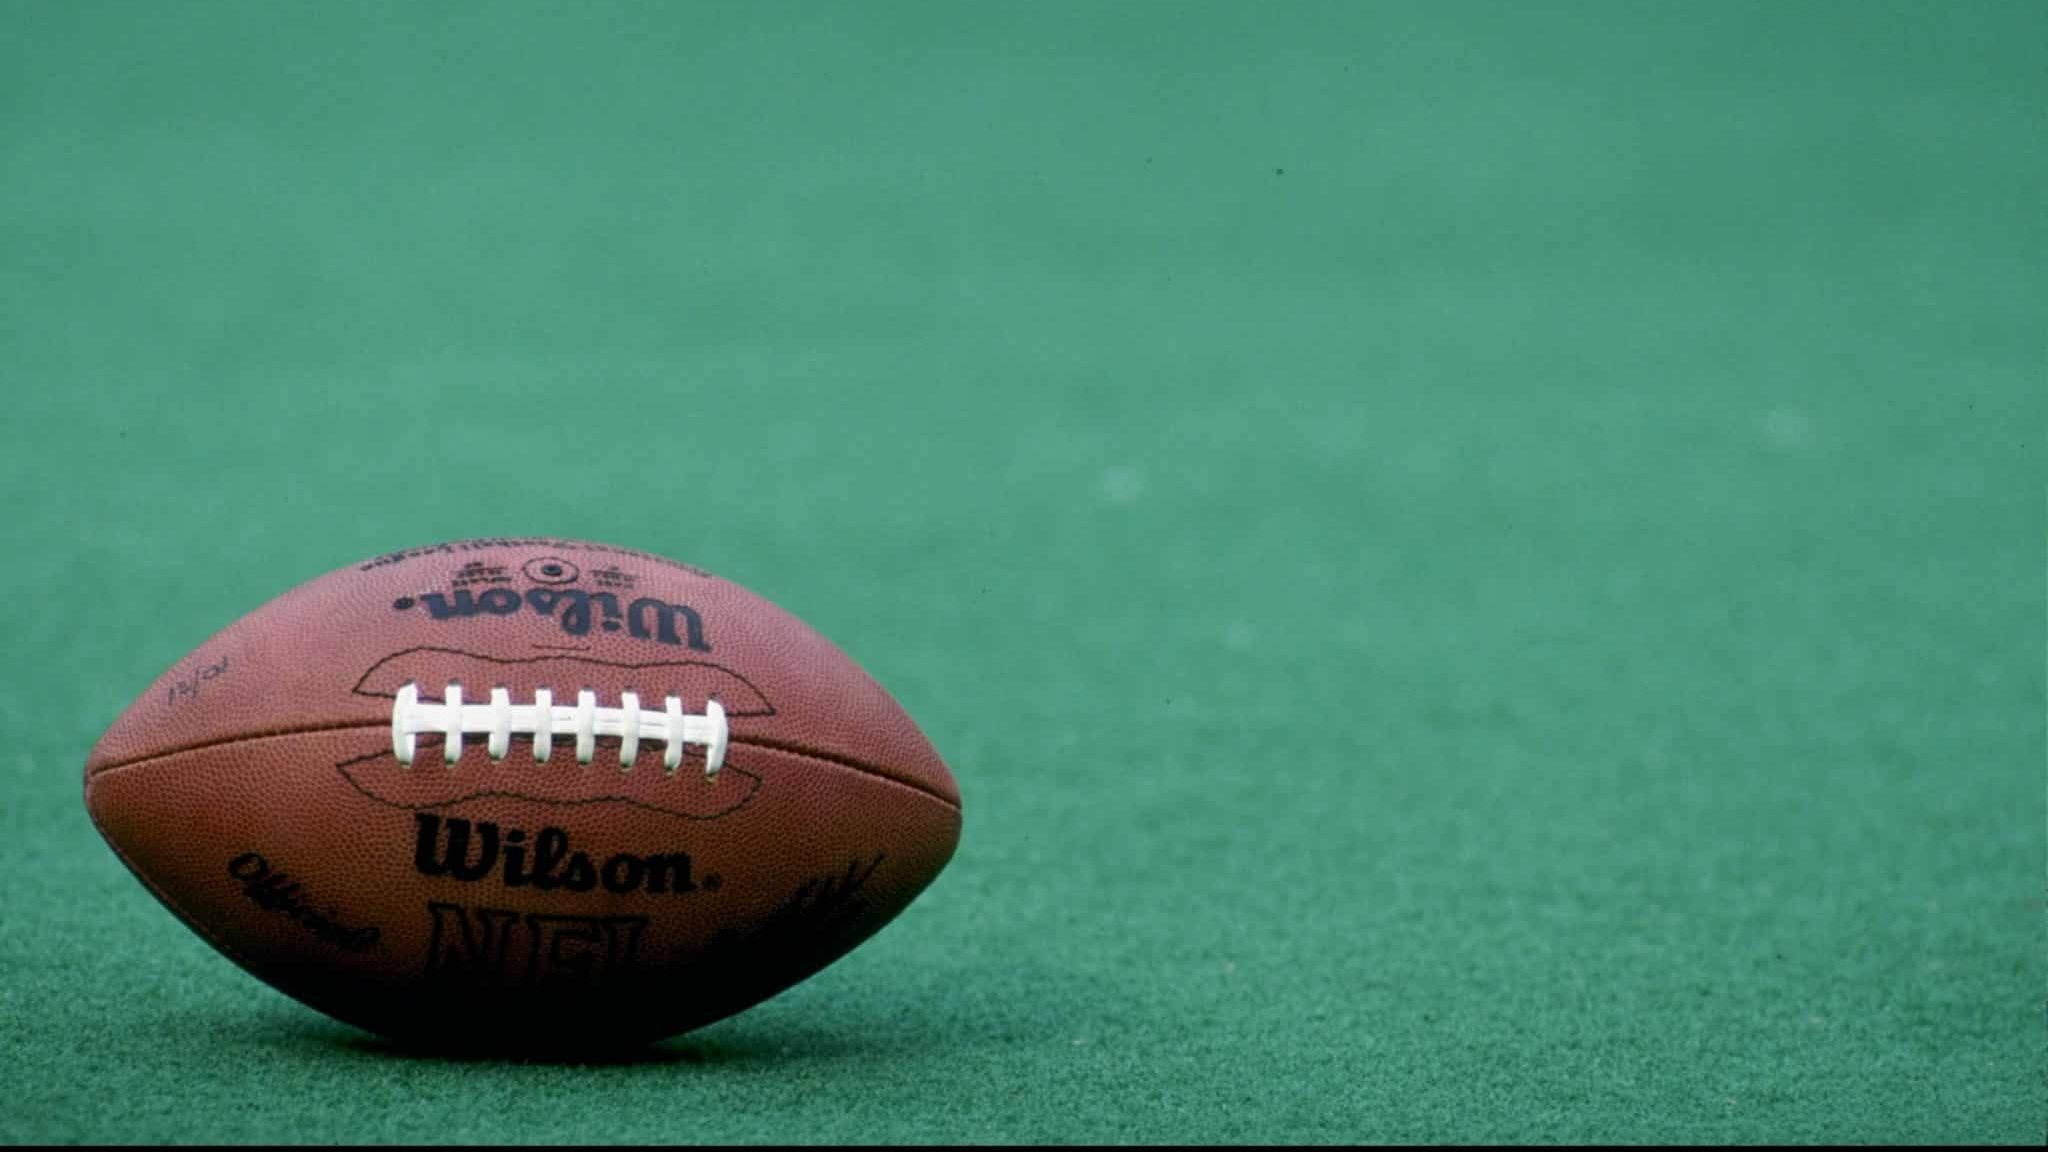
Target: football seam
<point>347,725</point>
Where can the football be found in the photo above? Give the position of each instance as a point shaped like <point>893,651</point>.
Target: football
<point>524,793</point>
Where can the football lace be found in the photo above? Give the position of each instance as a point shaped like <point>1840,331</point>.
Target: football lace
<point>544,720</point>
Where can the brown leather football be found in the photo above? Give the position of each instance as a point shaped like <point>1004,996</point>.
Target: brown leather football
<point>524,792</point>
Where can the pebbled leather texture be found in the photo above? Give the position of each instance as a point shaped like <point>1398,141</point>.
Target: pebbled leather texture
<point>252,788</point>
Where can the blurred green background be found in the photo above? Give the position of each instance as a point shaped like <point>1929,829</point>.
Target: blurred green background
<point>1480,565</point>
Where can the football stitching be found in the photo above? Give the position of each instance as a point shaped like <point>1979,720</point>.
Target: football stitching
<point>485,791</point>
<point>346,725</point>
<point>501,719</point>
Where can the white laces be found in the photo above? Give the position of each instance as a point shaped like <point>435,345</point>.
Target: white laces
<point>500,720</point>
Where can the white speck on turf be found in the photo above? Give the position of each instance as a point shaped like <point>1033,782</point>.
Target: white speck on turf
<point>1786,428</point>
<point>1122,485</point>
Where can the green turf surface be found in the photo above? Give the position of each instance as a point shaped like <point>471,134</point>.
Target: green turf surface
<point>1480,567</point>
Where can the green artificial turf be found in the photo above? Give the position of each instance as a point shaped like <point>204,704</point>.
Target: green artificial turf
<point>1480,566</point>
